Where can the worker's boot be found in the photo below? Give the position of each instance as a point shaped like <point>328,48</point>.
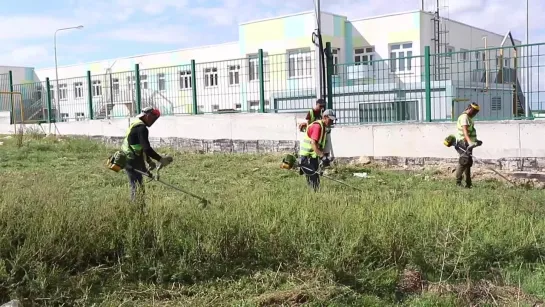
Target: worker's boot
<point>459,175</point>
<point>467,173</point>
<point>468,180</point>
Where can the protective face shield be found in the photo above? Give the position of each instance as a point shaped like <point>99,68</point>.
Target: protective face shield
<point>149,115</point>
<point>474,108</point>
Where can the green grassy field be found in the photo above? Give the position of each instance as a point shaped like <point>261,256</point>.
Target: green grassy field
<point>68,234</point>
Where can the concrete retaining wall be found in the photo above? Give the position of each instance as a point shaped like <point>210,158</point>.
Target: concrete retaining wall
<point>506,145</point>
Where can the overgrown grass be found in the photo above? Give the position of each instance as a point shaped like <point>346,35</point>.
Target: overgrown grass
<point>68,234</point>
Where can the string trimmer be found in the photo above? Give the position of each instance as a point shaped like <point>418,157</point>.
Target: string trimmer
<point>487,167</point>
<point>290,162</point>
<point>156,177</point>
<point>451,141</point>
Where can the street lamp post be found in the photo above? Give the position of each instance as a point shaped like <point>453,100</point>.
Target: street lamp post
<point>56,70</point>
<point>527,53</point>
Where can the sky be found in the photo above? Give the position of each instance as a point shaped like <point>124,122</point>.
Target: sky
<point>118,28</point>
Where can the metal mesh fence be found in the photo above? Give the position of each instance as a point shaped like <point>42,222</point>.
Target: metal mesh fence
<point>499,79</point>
<point>33,101</point>
<point>4,87</point>
<point>291,83</point>
<point>167,88</point>
<point>113,95</point>
<point>70,99</point>
<point>365,89</point>
<point>378,91</point>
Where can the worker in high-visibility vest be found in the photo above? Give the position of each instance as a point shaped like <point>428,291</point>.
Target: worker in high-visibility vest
<point>466,140</point>
<point>313,114</point>
<point>137,147</point>
<point>312,147</point>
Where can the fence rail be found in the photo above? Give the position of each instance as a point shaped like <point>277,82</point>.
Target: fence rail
<point>405,87</point>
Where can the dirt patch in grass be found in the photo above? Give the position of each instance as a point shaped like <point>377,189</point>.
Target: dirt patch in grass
<point>471,293</point>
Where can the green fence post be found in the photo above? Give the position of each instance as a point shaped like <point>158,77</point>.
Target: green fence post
<point>329,75</point>
<point>261,81</point>
<point>11,107</point>
<point>138,93</point>
<point>90,94</point>
<point>194,87</point>
<point>49,109</point>
<point>427,79</point>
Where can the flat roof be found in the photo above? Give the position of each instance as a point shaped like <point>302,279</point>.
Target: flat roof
<point>468,25</point>
<point>12,66</point>
<point>386,15</point>
<point>145,54</point>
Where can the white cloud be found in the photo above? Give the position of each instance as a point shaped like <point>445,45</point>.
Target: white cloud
<point>104,11</point>
<point>151,33</point>
<point>220,21</point>
<point>23,55</point>
<point>25,27</point>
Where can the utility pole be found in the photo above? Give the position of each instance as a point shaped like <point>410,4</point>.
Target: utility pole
<point>319,57</point>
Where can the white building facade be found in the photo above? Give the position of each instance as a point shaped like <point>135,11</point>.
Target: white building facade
<point>379,71</point>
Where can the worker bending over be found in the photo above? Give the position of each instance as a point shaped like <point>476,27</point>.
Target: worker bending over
<point>466,140</point>
<point>311,150</point>
<point>137,147</point>
<point>313,114</point>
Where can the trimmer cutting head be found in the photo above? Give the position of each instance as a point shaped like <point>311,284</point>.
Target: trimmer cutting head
<point>449,140</point>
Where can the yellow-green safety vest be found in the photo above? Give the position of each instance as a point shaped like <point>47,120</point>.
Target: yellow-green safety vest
<point>132,149</point>
<point>306,145</point>
<point>312,118</point>
<point>471,129</point>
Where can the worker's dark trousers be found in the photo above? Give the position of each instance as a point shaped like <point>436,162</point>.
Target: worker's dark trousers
<point>311,165</point>
<point>465,161</point>
<point>135,179</point>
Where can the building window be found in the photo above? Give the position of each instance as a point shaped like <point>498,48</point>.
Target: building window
<point>335,52</point>
<point>495,104</point>
<point>253,67</point>
<point>215,107</point>
<point>299,63</point>
<point>62,91</point>
<point>450,51</point>
<point>210,77</point>
<point>161,81</point>
<point>64,117</point>
<point>144,82</point>
<point>253,64</point>
<point>381,112</point>
<point>478,57</point>
<point>97,88</point>
<point>185,79</point>
<point>506,61</point>
<point>80,116</point>
<point>401,57</point>
<point>78,89</point>
<point>52,91</point>
<point>254,105</point>
<point>115,85</point>
<point>364,56</point>
<point>462,56</point>
<point>130,82</point>
<point>234,74</point>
